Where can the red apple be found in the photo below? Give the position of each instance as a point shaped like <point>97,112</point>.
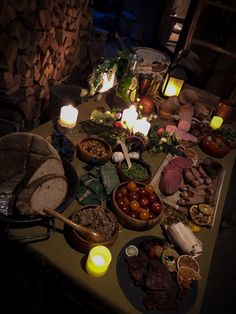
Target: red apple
<point>146,105</point>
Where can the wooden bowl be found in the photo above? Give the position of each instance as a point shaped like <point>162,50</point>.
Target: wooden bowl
<point>125,177</point>
<point>92,149</point>
<point>82,245</point>
<point>130,222</point>
<point>215,145</point>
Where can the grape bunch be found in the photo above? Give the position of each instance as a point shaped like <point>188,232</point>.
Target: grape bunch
<point>63,146</point>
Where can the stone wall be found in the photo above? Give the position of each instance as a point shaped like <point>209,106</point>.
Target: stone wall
<point>41,41</point>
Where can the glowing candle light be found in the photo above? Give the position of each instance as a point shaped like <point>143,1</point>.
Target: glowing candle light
<point>129,117</point>
<point>68,116</point>
<point>141,126</point>
<point>98,261</point>
<point>216,122</point>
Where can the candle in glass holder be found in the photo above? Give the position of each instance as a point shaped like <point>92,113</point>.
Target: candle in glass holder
<point>68,116</point>
<point>129,117</point>
<point>141,126</point>
<point>216,122</point>
<point>98,261</point>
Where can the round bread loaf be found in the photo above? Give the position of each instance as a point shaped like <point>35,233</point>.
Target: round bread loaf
<point>25,158</point>
<point>47,191</point>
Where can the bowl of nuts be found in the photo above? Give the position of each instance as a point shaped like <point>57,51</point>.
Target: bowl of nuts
<point>94,150</point>
<point>136,205</point>
<point>99,219</point>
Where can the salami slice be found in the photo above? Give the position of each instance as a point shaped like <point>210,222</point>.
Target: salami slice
<point>183,162</point>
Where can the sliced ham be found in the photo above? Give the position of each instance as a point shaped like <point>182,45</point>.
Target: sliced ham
<point>185,117</point>
<point>180,134</point>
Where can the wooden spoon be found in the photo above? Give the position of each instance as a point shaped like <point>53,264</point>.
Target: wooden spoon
<point>125,152</point>
<point>85,232</point>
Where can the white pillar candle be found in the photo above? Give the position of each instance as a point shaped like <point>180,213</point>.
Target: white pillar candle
<point>216,122</point>
<point>68,116</point>
<point>142,126</point>
<point>129,117</point>
<point>98,261</point>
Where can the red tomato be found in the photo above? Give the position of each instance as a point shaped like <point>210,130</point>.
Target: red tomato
<point>143,214</point>
<point>152,197</point>
<point>134,206</point>
<point>125,209</point>
<point>144,202</point>
<point>156,207</point>
<point>124,191</point>
<point>126,201</point>
<point>142,192</point>
<point>133,196</point>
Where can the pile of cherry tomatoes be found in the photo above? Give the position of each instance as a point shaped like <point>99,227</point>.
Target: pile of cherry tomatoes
<point>138,201</point>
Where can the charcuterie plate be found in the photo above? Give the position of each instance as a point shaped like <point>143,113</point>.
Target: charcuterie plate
<point>173,200</point>
<point>136,293</point>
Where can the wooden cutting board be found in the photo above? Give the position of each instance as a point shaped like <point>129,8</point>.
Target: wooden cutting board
<point>172,199</point>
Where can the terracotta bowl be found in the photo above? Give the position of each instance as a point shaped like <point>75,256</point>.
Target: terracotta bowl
<point>125,217</point>
<point>125,177</point>
<point>215,145</point>
<point>94,149</point>
<point>82,245</point>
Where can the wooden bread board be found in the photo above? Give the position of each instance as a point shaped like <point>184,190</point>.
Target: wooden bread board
<point>172,199</point>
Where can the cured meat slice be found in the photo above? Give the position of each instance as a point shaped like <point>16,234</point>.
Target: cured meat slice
<point>182,162</point>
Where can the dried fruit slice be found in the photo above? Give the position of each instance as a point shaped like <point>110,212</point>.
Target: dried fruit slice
<point>132,95</point>
<point>198,217</point>
<point>189,261</point>
<point>169,257</point>
<point>134,83</point>
<point>185,275</point>
<point>131,250</point>
<point>194,227</point>
<point>205,209</point>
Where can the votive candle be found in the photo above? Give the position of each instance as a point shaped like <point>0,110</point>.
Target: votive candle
<point>68,116</point>
<point>98,261</point>
<point>216,122</point>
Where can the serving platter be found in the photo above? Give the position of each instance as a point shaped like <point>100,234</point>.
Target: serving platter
<point>135,294</point>
<point>172,199</point>
<point>72,179</point>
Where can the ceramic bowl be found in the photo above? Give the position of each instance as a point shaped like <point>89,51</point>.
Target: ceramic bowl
<point>129,218</point>
<point>92,149</point>
<point>83,245</point>
<point>129,175</point>
<point>215,145</point>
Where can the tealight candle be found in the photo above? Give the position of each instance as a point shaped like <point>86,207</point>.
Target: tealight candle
<point>98,261</point>
<point>216,122</point>
<point>129,117</point>
<point>141,126</point>
<point>68,116</point>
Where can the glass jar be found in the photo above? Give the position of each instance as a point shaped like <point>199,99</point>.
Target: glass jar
<point>127,87</point>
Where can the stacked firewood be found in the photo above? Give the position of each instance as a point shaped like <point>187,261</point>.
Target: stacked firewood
<point>41,43</point>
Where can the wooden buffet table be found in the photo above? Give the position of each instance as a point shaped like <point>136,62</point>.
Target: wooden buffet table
<point>105,292</point>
